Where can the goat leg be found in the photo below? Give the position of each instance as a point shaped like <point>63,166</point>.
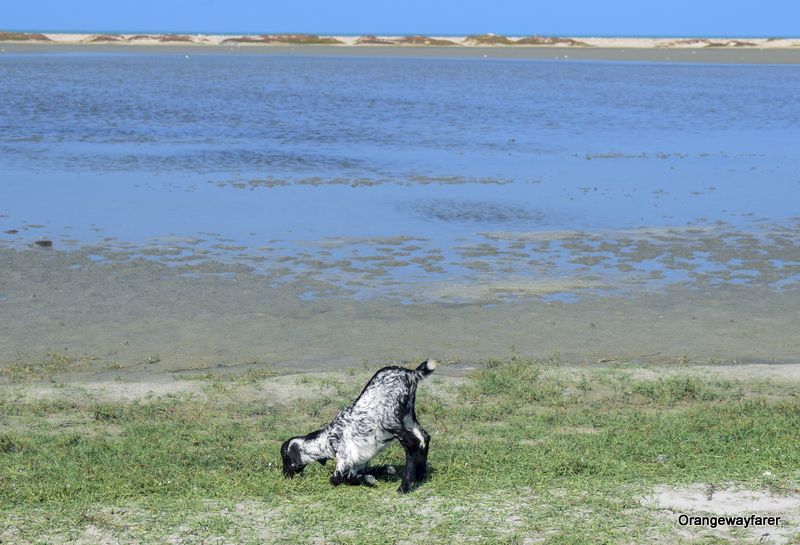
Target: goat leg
<point>422,456</point>
<point>411,444</point>
<point>381,471</point>
<point>349,478</point>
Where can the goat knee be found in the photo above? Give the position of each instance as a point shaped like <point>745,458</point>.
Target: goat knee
<point>352,478</point>
<point>337,478</point>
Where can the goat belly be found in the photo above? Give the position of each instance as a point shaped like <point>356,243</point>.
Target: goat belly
<point>359,448</point>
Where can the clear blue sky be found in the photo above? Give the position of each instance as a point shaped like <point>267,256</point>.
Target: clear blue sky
<point>575,17</point>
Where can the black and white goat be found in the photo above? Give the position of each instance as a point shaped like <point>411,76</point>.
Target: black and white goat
<point>383,412</point>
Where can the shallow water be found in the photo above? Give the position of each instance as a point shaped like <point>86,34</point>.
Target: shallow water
<point>199,205</point>
<point>305,165</point>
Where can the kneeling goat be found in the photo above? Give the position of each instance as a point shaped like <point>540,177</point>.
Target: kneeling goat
<point>383,412</point>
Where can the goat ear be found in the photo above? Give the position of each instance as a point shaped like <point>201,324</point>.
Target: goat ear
<point>322,461</point>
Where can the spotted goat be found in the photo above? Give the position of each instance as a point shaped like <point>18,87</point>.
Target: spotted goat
<point>382,413</point>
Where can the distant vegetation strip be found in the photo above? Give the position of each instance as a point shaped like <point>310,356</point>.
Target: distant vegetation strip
<point>303,39</point>
<point>369,39</point>
<point>23,37</point>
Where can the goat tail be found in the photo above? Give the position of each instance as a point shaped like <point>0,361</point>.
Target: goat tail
<point>426,368</point>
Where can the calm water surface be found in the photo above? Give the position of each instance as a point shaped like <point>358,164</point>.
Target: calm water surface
<point>318,164</point>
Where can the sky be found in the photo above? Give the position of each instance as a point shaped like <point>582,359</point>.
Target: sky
<point>757,18</point>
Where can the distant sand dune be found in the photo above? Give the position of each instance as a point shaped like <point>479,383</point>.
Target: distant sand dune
<point>423,40</point>
<point>551,40</point>
<point>23,37</point>
<point>303,39</point>
<point>177,38</point>
<point>101,38</point>
<point>488,39</point>
<point>473,40</point>
<point>704,42</point>
<point>374,40</point>
<point>370,39</point>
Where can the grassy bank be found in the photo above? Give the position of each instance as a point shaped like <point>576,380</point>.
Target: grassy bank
<point>522,452</point>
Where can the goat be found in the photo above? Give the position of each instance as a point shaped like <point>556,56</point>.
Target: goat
<point>383,412</point>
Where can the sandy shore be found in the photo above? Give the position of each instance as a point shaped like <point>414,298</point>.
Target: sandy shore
<point>697,281</point>
<point>723,56</point>
<point>493,40</point>
<point>723,50</point>
<point>145,316</point>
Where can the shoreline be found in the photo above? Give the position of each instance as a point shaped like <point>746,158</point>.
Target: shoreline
<point>149,317</point>
<point>475,40</point>
<point>662,49</point>
<point>785,56</point>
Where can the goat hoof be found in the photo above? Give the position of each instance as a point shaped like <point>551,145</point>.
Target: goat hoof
<point>390,470</point>
<point>369,480</point>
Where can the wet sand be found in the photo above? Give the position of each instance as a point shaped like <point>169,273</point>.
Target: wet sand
<point>679,55</point>
<point>141,316</point>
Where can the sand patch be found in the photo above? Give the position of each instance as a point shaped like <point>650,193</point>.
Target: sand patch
<point>669,503</point>
<point>789,372</point>
<point>513,288</point>
<point>110,390</point>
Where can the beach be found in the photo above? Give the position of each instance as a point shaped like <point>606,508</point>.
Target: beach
<point>496,41</point>
<point>201,228</point>
<point>661,49</point>
<point>208,246</point>
<point>121,316</point>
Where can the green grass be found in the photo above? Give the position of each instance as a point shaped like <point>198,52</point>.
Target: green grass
<point>520,450</point>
